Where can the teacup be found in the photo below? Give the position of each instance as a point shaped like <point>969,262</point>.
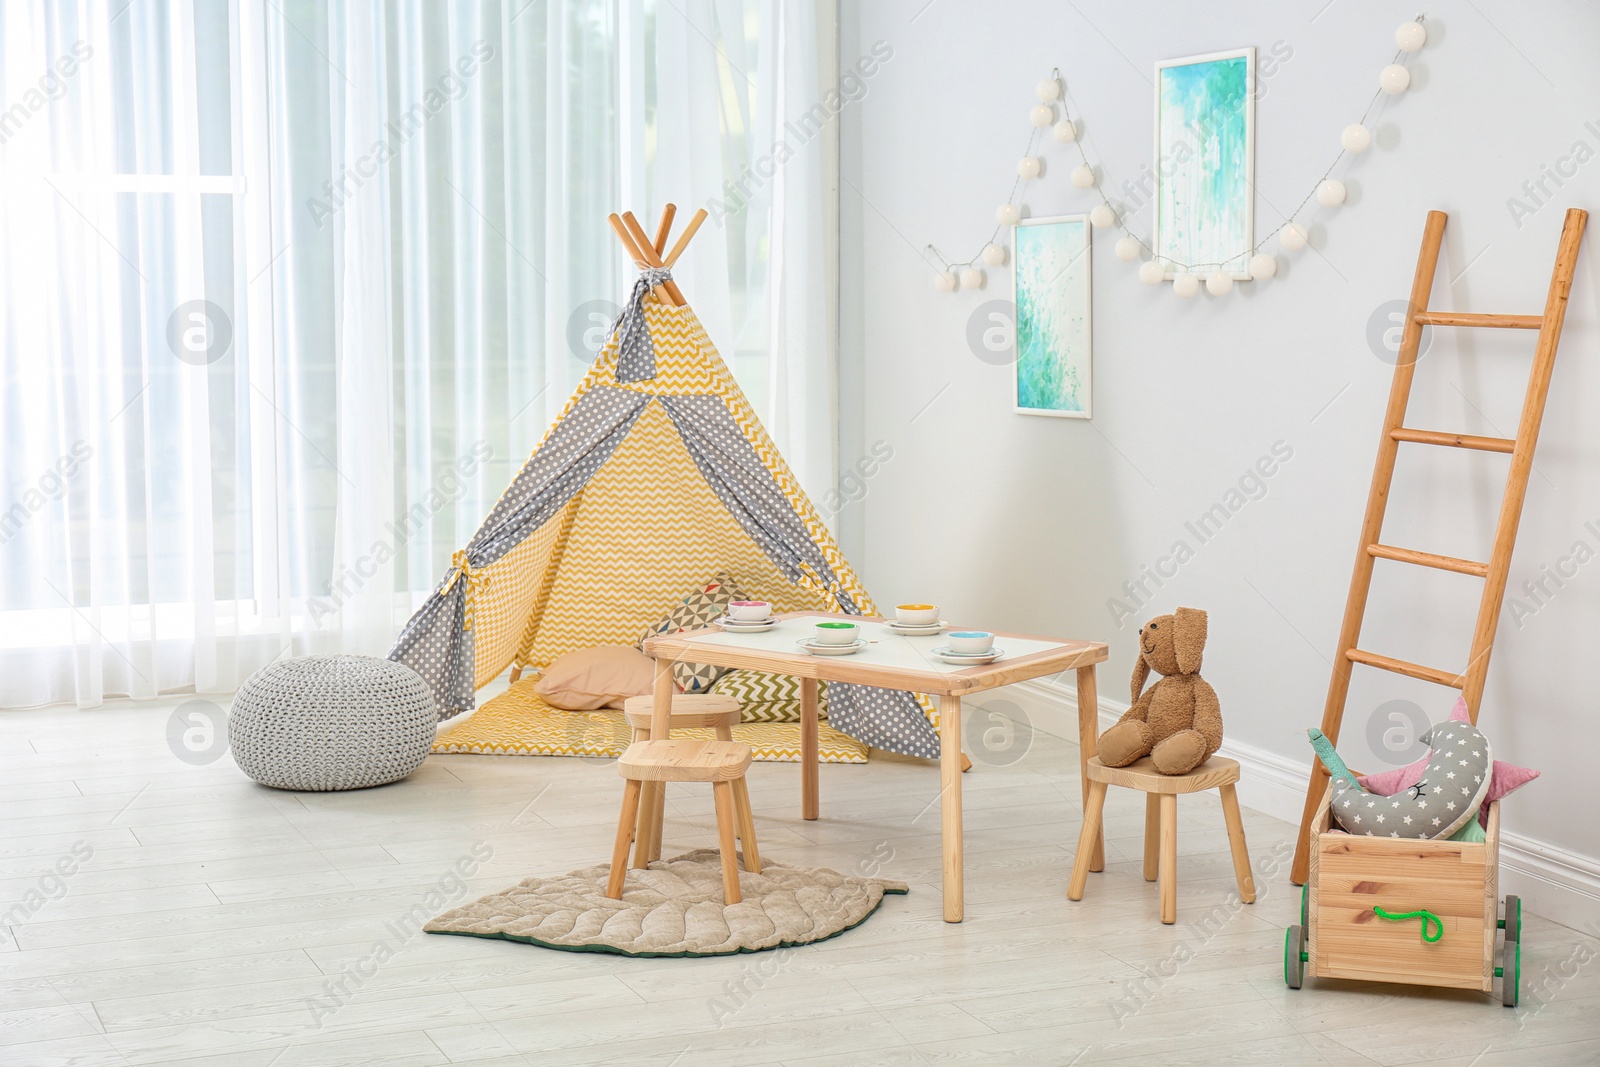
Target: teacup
<point>749,610</point>
<point>916,614</point>
<point>970,642</point>
<point>836,633</point>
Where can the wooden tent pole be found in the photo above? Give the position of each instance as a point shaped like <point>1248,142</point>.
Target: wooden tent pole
<point>667,215</point>
<point>642,239</point>
<point>634,253</point>
<point>683,238</point>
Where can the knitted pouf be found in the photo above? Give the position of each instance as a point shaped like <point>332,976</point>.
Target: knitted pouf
<point>331,722</point>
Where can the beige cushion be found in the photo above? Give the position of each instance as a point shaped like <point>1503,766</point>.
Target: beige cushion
<point>592,678</point>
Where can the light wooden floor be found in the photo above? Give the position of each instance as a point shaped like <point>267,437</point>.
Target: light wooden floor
<point>212,912</point>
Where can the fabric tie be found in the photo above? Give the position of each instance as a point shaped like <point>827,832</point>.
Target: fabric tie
<point>636,353</point>
<point>477,577</point>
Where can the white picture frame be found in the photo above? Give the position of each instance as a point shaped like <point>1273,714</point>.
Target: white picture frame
<point>1053,296</point>
<point>1205,142</point>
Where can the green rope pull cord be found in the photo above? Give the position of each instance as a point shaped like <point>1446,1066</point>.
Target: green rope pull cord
<point>1424,914</point>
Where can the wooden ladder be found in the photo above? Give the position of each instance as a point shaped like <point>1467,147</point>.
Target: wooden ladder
<point>1471,680</point>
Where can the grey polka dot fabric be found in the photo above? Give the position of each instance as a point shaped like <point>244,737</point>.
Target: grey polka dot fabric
<point>1451,789</point>
<point>883,718</point>
<point>331,722</point>
<point>636,353</point>
<point>435,643</point>
<point>745,486</point>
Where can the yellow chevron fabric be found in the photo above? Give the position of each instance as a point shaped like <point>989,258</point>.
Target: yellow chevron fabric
<point>519,723</point>
<point>644,530</point>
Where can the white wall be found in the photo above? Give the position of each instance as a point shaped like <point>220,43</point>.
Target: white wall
<point>1033,524</point>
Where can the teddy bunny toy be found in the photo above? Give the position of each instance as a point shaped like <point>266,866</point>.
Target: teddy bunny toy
<point>1177,722</point>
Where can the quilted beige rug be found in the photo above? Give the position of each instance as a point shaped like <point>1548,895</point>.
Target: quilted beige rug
<point>673,909</point>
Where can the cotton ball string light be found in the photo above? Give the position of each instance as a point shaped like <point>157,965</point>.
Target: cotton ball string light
<point>1102,217</point>
<point>1263,266</point>
<point>1049,90</point>
<point>1394,79</point>
<point>1355,138</point>
<point>1043,115</point>
<point>1186,285</point>
<point>1066,131</point>
<point>1150,272</point>
<point>1219,283</point>
<point>1331,193</point>
<point>994,255</point>
<point>972,278</point>
<point>1083,176</point>
<point>1008,215</point>
<point>1127,249</point>
<point>1410,37</point>
<point>1293,237</point>
<point>945,281</point>
<point>1028,167</point>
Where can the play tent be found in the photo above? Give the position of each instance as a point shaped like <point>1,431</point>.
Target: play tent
<point>655,476</point>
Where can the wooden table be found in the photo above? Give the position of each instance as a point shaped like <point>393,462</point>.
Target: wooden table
<point>892,662</point>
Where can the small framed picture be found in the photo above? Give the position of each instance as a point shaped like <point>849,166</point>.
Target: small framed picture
<point>1053,336</point>
<point>1205,161</point>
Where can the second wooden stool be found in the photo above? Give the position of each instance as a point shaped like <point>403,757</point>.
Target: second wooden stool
<point>1161,823</point>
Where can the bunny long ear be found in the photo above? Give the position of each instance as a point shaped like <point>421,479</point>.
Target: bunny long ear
<point>1141,671</point>
<point>1190,639</point>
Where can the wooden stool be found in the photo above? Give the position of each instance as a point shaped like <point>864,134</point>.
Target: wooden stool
<point>1161,823</point>
<point>721,763</point>
<point>720,713</point>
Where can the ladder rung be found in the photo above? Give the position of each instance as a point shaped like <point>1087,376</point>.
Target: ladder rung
<point>1462,318</point>
<point>1454,440</point>
<point>1410,670</point>
<point>1429,559</point>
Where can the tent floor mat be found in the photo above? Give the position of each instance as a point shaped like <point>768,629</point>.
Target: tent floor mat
<point>519,723</point>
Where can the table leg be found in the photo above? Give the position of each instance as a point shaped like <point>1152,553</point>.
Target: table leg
<point>810,806</point>
<point>950,801</point>
<point>653,812</point>
<point>1088,731</point>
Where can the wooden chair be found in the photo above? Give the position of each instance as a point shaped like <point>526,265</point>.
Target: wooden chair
<point>722,764</point>
<point>1161,823</point>
<point>712,710</point>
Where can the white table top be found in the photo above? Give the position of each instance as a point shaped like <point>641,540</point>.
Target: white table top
<point>887,648</point>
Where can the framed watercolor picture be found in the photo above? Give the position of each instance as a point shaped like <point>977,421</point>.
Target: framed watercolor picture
<point>1053,303</point>
<point>1205,161</point>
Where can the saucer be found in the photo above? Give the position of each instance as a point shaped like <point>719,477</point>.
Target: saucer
<point>743,626</point>
<point>816,649</point>
<point>970,658</point>
<point>927,629</point>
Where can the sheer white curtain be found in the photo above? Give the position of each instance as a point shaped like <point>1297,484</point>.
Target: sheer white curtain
<point>289,289</point>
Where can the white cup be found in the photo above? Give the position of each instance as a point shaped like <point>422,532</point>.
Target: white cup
<point>917,614</point>
<point>749,610</point>
<point>970,642</point>
<point>836,633</point>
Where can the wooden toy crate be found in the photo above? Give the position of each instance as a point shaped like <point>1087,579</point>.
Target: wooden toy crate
<point>1340,935</point>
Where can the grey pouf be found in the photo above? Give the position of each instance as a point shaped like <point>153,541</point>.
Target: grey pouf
<point>331,722</point>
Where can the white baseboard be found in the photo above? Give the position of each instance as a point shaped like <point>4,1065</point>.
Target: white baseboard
<point>1553,882</point>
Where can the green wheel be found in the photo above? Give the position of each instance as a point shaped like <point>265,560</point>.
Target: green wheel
<point>1294,957</point>
<point>1305,905</point>
<point>1511,953</point>
<point>1511,974</point>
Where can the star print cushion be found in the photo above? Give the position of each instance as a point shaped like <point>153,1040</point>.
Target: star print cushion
<point>1440,802</point>
<point>1505,778</point>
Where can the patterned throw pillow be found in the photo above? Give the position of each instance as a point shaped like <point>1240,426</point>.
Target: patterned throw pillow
<point>768,697</point>
<point>704,604</point>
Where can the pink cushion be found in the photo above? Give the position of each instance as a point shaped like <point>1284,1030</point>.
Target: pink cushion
<point>593,678</point>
